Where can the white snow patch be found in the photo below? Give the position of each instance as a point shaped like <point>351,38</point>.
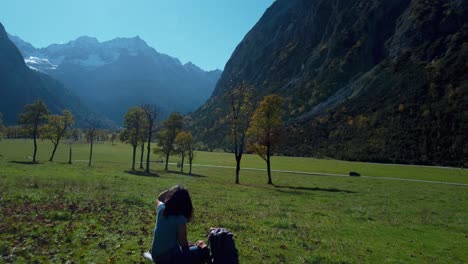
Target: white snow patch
<point>33,68</point>
<point>39,64</point>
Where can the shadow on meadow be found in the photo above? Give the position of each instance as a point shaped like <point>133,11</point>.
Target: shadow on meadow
<point>186,174</point>
<point>314,189</point>
<point>24,162</point>
<point>142,173</point>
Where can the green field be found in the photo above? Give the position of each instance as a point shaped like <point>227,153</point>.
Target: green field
<point>55,212</point>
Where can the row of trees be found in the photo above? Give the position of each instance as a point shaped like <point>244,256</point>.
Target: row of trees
<point>37,122</point>
<point>255,129</point>
<point>140,127</point>
<point>74,134</point>
<point>259,130</point>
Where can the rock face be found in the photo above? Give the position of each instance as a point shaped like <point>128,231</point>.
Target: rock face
<point>117,74</point>
<point>378,80</point>
<point>20,85</point>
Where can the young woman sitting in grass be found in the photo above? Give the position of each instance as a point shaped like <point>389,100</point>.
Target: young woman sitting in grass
<point>170,244</point>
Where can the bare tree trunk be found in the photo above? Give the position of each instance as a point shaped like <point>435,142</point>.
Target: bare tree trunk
<point>151,114</point>
<point>238,151</point>
<point>182,164</point>
<point>190,167</point>
<point>167,160</point>
<point>90,152</point>
<point>35,148</point>
<point>70,156</point>
<point>238,161</point>
<point>142,154</point>
<point>53,152</point>
<point>148,148</point>
<point>133,157</point>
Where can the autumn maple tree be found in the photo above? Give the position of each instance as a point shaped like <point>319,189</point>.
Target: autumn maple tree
<point>266,130</point>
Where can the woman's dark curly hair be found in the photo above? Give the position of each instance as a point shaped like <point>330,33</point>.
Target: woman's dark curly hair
<point>178,202</point>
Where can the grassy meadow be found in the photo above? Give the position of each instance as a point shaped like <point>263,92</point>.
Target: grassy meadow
<point>55,212</point>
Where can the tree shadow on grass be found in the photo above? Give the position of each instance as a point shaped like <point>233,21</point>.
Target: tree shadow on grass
<point>314,189</point>
<point>186,174</point>
<point>142,173</point>
<point>24,162</point>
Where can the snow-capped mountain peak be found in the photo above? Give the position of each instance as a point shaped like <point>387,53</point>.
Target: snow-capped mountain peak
<point>89,52</point>
<point>119,73</point>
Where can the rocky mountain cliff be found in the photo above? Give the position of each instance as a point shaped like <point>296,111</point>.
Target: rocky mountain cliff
<point>117,74</point>
<point>20,85</point>
<point>374,80</point>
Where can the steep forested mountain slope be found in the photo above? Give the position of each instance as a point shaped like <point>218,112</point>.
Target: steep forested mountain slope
<point>117,74</point>
<point>376,80</point>
<point>20,85</point>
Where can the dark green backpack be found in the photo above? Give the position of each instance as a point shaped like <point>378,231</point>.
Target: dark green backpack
<point>222,246</point>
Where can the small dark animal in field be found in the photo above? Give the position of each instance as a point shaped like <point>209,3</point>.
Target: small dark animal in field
<point>354,174</point>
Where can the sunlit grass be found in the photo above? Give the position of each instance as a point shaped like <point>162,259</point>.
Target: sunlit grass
<point>54,212</point>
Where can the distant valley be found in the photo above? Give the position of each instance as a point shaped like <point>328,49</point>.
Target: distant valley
<point>114,75</point>
<point>379,80</point>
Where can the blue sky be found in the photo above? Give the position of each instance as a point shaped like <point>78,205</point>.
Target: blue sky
<point>205,32</point>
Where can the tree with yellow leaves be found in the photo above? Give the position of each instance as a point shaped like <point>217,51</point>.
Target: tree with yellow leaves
<point>266,130</point>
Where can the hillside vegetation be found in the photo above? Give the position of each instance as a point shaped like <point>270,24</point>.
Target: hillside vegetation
<point>364,80</point>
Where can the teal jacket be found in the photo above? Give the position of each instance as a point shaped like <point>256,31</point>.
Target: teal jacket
<point>166,231</point>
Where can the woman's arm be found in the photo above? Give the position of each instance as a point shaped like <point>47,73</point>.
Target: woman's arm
<point>182,237</point>
<point>162,197</point>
